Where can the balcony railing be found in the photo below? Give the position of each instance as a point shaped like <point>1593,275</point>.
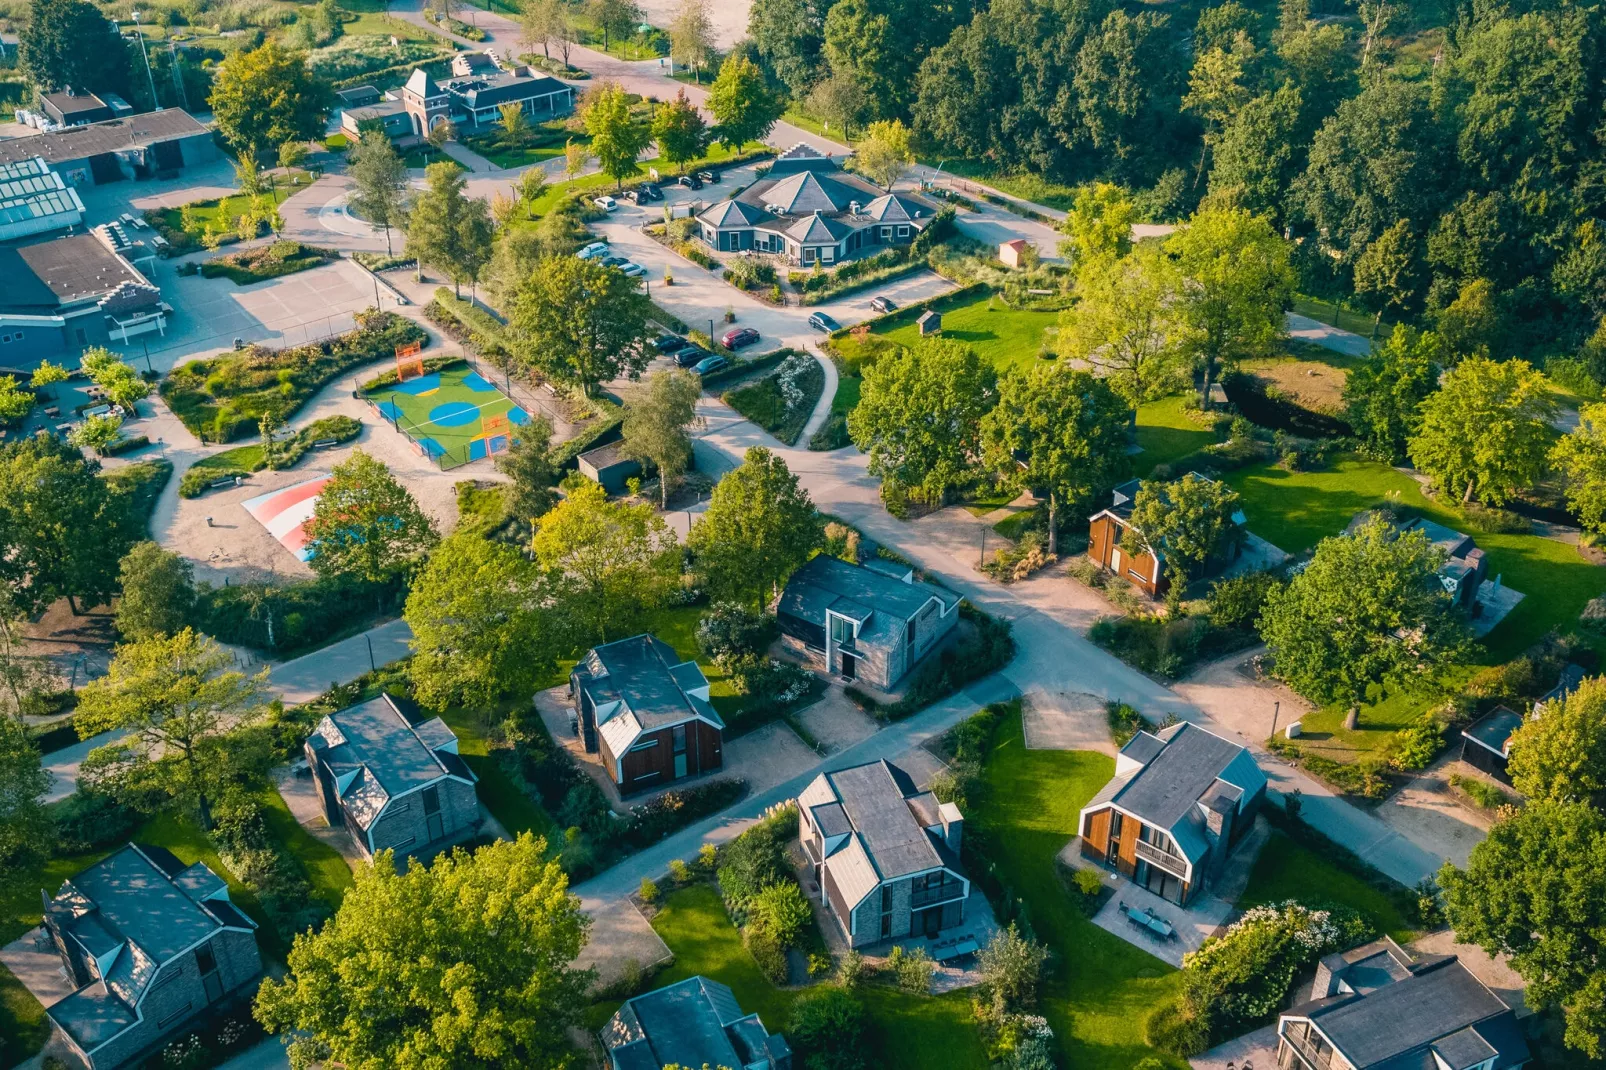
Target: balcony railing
<point>1172,864</point>
<point>1299,1053</point>
<point>931,896</point>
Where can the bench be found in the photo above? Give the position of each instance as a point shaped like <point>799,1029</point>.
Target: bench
<point>226,481</point>
<point>325,443</point>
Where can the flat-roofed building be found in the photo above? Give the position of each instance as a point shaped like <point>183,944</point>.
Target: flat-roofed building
<point>136,146</point>
<point>34,200</point>
<point>71,107</point>
<point>66,295</point>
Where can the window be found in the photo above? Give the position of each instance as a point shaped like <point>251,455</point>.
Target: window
<point>205,961</point>
<point>163,1023</point>
<point>678,735</point>
<point>909,633</point>
<point>903,232</point>
<point>649,745</point>
<point>5,338</point>
<point>403,844</point>
<point>841,630</point>
<point>83,338</point>
<point>172,973</point>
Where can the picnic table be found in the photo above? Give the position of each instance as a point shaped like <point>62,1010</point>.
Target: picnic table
<point>98,410</point>
<point>52,410</point>
<point>1148,920</point>
<point>954,947</point>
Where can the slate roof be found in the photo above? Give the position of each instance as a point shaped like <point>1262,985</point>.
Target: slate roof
<point>1417,1008</point>
<point>1180,768</point>
<point>885,819</point>
<point>896,208</point>
<point>735,213</point>
<point>693,1023</point>
<point>640,685</point>
<point>496,88</point>
<point>133,912</point>
<point>375,753</point>
<point>828,582</point>
<point>801,157</point>
<point>1571,676</point>
<point>92,139</point>
<point>818,228</point>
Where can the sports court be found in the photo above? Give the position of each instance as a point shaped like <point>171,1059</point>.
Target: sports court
<point>453,415</point>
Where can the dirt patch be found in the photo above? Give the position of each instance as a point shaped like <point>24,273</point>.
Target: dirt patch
<point>1065,720</point>
<point>1315,385</point>
<point>1432,815</point>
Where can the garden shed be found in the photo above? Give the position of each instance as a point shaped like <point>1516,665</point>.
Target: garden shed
<point>930,322</point>
<point>1012,253</point>
<point>609,466</point>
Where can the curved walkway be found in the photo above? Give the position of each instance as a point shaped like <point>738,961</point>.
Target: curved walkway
<point>822,408</point>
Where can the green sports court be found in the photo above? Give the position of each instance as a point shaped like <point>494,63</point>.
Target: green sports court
<point>445,413</point>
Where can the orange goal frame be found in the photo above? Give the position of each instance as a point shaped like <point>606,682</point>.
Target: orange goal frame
<point>494,428</point>
<point>409,361</point>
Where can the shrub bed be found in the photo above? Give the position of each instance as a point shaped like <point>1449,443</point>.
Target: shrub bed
<point>1167,646</point>
<point>221,399</point>
<point>990,650</point>
<point>377,262</point>
<point>267,262</point>
<point>125,445</point>
<point>467,323</point>
<point>367,53</point>
<point>292,618</point>
<point>247,459</point>
<point>601,431</point>
<point>142,483</point>
<point>783,402</point>
<point>741,369</point>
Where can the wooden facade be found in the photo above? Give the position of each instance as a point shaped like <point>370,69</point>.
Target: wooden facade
<point>1104,548</point>
<point>662,757</point>
<point>1110,838</point>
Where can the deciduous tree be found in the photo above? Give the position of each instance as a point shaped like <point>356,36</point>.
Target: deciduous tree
<point>622,558</point>
<point>581,322</point>
<point>468,962</point>
<point>617,139</point>
<point>1383,395</point>
<point>1099,225</point>
<point>486,622</point>
<point>1561,754</point>
<point>1124,324</point>
<point>158,592</point>
<point>789,36</point>
<point>883,154</point>
<point>366,523</point>
<point>1533,891</point>
<point>71,43</point>
<point>691,35</point>
<point>1580,457</point>
<point>742,103</point>
<point>1485,432</point>
<point>1239,283</point>
<point>1185,523</point>
<point>1386,272</point>
<point>919,414</point>
<point>25,825</point>
<point>1368,611</point>
<point>528,463</point>
<point>542,21</point>
<point>190,721</point>
<point>267,96</point>
<point>680,131</point>
<point>657,425</point>
<point>759,527</point>
<point>615,18</point>
<point>1057,430</point>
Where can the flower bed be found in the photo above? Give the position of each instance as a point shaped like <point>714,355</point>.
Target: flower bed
<point>467,323</point>
<point>782,403</point>
<point>247,459</point>
<point>221,399</point>
<point>267,262</point>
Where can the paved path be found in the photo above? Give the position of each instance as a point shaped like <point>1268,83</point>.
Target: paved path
<point>1327,336</point>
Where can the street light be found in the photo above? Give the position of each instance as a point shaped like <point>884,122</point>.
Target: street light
<point>149,77</point>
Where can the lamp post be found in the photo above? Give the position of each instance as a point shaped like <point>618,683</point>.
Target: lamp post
<point>148,76</point>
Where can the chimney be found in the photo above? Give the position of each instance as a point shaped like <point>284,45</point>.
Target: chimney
<point>853,207</point>
<point>1329,971</point>
<point>953,826</point>
<point>70,92</point>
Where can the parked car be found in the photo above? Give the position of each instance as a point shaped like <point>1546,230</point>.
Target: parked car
<point>712,364</point>
<point>606,203</point>
<point>594,250</point>
<point>737,337</point>
<point>669,343</point>
<point>882,304</point>
<point>690,356</point>
<point>651,192</point>
<point>632,269</point>
<point>632,195</point>
<point>689,182</point>
<point>614,261</point>
<point>821,322</point>
<point>709,176</point>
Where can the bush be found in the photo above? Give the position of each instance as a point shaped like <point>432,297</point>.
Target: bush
<point>1235,602</point>
<point>1415,745</point>
<point>267,262</point>
<point>87,821</point>
<point>832,435</point>
<point>1088,882</point>
<point>290,617</point>
<point>1177,1031</point>
<point>729,632</point>
<point>648,891</point>
<point>475,328</point>
<point>679,872</point>
<point>852,969</point>
<point>767,951</point>
<point>757,858</point>
<point>827,1030</point>
<point>1125,722</point>
<point>707,857</point>
<point>783,911</point>
<point>248,459</point>
<point>1483,793</point>
<point>913,969</point>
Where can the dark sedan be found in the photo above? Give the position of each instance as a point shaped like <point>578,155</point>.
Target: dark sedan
<point>690,356</point>
<point>669,343</point>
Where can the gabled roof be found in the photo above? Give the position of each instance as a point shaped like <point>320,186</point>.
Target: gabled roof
<point>896,208</point>
<point>733,213</point>
<point>818,228</point>
<point>496,88</point>
<point>1403,1011</point>
<point>131,913</point>
<point>885,820</point>
<point>1178,770</point>
<point>829,583</point>
<point>694,1023</point>
<point>641,685</point>
<point>374,753</point>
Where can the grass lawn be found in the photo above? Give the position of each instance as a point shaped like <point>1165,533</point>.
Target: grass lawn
<point>1288,870</point>
<point>803,121</point>
<point>1344,315</point>
<point>1168,432</point>
<point>229,208</point>
<point>1026,186</point>
<point>1104,988</point>
<point>503,797</point>
<point>23,1026</point>
<point>422,156</point>
<point>1006,337</point>
<point>326,870</point>
<point>716,154</point>
<point>913,1032</point>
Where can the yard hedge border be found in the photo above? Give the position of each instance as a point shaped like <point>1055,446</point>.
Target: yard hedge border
<point>742,369</point>
<point>909,313</point>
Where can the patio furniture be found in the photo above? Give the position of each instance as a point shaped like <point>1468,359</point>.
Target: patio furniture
<point>1148,921</point>
<point>97,410</point>
<point>52,410</point>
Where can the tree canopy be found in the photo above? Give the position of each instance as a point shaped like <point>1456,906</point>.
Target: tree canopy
<point>622,558</point>
<point>467,962</point>
<point>366,523</point>
<point>1485,433</point>
<point>759,527</point>
<point>1383,394</point>
<point>581,322</point>
<point>657,425</point>
<point>617,138</point>
<point>1561,754</point>
<point>743,106</point>
<point>1580,457</point>
<point>1186,522</point>
<point>266,96</point>
<point>71,43</point>
<point>158,592</point>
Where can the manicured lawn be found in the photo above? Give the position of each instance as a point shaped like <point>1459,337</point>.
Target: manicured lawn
<point>1029,187</point>
<point>1295,510</point>
<point>23,1026</point>
<point>422,156</point>
<point>1003,336</point>
<point>1167,432</point>
<point>908,1032</point>
<point>1104,988</point>
<point>326,870</point>
<point>506,801</point>
<point>229,208</point>
<point>1288,870</point>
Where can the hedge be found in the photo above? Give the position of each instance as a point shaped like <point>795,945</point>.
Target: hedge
<point>603,430</point>
<point>221,399</point>
<point>247,459</point>
<point>467,323</point>
<point>386,77</point>
<point>741,368</point>
<point>668,319</point>
<point>125,445</point>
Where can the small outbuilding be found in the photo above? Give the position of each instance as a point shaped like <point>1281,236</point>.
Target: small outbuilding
<point>609,466</point>
<point>1486,743</point>
<point>1013,253</point>
<point>930,322</point>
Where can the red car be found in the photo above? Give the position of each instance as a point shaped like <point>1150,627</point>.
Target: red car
<point>737,337</point>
